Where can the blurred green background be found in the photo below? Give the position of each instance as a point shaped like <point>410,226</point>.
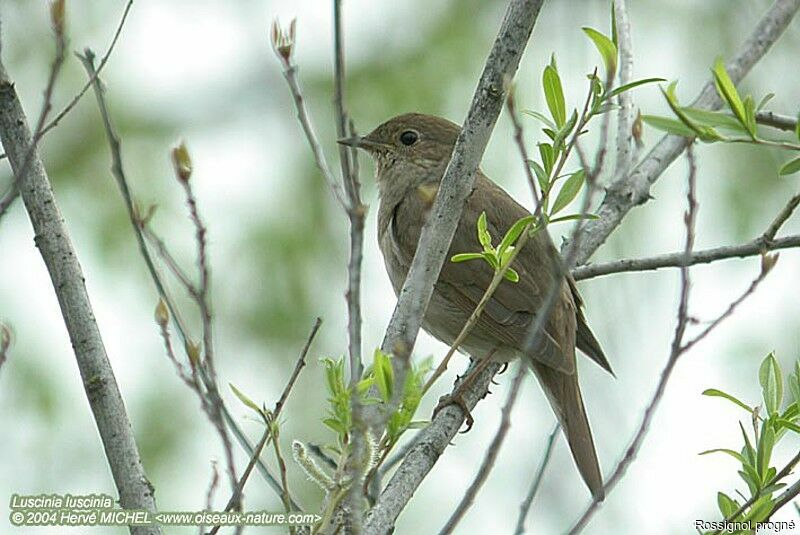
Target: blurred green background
<point>203,71</point>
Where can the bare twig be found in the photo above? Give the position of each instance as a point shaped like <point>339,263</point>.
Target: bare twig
<point>57,21</point>
<point>675,352</point>
<point>52,239</point>
<point>634,189</point>
<point>760,245</point>
<point>491,453</point>
<point>283,45</point>
<point>523,151</point>
<point>526,504</point>
<point>212,487</point>
<point>625,99</point>
<point>301,361</point>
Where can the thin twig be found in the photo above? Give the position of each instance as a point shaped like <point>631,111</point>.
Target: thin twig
<point>276,412</point>
<point>781,122</point>
<point>283,45</point>
<point>760,245</point>
<point>5,343</point>
<point>491,453</point>
<point>675,351</point>
<point>526,504</point>
<point>523,151</point>
<point>57,21</point>
<point>212,487</point>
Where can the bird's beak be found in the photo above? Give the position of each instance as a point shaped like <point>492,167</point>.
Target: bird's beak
<point>352,141</point>
<point>359,142</point>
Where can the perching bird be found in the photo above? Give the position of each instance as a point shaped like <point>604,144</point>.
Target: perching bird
<point>411,152</point>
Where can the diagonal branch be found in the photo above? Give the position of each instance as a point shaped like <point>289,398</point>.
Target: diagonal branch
<point>60,257</point>
<point>634,189</point>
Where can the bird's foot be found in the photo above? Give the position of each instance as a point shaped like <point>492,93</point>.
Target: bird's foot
<point>458,400</point>
<point>503,369</point>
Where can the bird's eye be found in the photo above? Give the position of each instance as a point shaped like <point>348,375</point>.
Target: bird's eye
<point>409,137</point>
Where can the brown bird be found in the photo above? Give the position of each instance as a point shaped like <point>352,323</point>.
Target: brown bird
<point>411,152</point>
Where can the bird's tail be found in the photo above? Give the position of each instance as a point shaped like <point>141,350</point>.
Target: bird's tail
<point>564,394</point>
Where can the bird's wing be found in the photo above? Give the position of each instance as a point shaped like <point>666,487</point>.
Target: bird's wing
<point>586,340</point>
<point>513,306</point>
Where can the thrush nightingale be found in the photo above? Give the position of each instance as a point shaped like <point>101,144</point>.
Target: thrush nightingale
<point>411,153</point>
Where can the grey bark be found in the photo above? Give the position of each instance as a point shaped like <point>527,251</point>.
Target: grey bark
<point>52,239</point>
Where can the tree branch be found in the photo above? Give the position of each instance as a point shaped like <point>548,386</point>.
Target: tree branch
<point>760,245</point>
<point>633,189</point>
<point>52,239</point>
<point>625,99</point>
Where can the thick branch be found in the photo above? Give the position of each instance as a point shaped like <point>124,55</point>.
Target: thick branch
<point>52,239</point>
<point>458,180</point>
<point>634,189</point>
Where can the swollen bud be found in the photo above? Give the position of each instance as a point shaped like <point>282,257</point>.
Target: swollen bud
<point>57,15</point>
<point>283,41</point>
<point>768,262</point>
<point>182,162</point>
<point>162,313</point>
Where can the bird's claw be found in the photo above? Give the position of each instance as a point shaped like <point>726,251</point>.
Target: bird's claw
<point>458,400</point>
<point>503,369</point>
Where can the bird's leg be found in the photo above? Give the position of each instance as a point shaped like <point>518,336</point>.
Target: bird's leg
<point>457,396</point>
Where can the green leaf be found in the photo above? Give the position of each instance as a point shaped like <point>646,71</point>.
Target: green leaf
<point>727,90</point>
<point>627,87</point>
<point>568,191</point>
<point>790,168</point>
<point>554,95</point>
<point>484,237</point>
<point>750,116</point>
<point>764,450</point>
<point>541,176</point>
<point>713,392</point>
<point>607,49</point>
<point>384,374</point>
<point>760,510</point>
<point>797,127</point>
<point>463,257</point>
<point>511,275</point>
<point>543,118</point>
<point>771,380</point>
<point>714,118</point>
<point>734,454</point>
<point>794,384</point>
<point>573,217</point>
<point>764,101</point>
<point>670,126</point>
<point>727,506</point>
<point>513,233</point>
<point>561,135</point>
<point>704,133</point>
<point>548,158</point>
<point>791,426</point>
<point>249,403</point>
<point>748,452</point>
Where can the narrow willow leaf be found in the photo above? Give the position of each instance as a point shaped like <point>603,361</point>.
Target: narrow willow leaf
<point>750,117</point>
<point>734,454</point>
<point>627,87</point>
<point>790,168</point>
<point>554,95</point>
<point>541,176</point>
<point>484,238</point>
<point>713,392</point>
<point>249,403</point>
<point>573,217</point>
<point>548,158</point>
<point>607,49</point>
<point>704,133</point>
<point>714,118</point>
<point>764,450</point>
<point>771,380</point>
<point>543,118</point>
<point>727,506</point>
<point>791,426</point>
<point>765,101</point>
<point>727,90</point>
<point>513,233</point>
<point>568,191</point>
<point>463,257</point>
<point>670,126</point>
